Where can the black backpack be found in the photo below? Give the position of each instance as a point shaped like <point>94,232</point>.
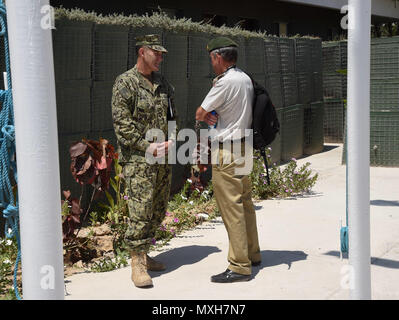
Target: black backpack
<point>265,124</point>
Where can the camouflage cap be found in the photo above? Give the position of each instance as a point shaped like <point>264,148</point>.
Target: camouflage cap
<point>152,41</point>
<point>220,42</point>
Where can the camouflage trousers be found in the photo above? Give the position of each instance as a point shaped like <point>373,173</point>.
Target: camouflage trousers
<point>148,188</point>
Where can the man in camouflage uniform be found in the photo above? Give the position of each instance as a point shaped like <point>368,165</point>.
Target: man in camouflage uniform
<point>142,99</point>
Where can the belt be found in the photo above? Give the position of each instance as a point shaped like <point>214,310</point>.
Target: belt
<point>138,153</point>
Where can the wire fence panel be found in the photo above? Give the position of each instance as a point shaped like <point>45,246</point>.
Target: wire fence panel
<point>287,55</point>
<point>316,55</point>
<point>292,133</point>
<point>304,87</point>
<point>110,56</point>
<point>384,94</point>
<point>199,63</point>
<point>101,111</point>
<point>334,117</point>
<point>276,144</point>
<point>198,88</point>
<point>72,48</point>
<point>317,86</point>
<point>303,55</point>
<point>385,58</point>
<point>73,106</point>
<point>272,55</point>
<point>273,84</point>
<point>289,89</point>
<point>175,64</point>
<point>242,60</point>
<point>384,138</point>
<point>313,128</point>
<point>255,56</point>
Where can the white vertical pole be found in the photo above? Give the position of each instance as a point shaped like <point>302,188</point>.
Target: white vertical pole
<point>358,128</point>
<point>32,69</point>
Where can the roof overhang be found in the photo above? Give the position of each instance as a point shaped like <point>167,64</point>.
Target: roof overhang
<point>382,8</point>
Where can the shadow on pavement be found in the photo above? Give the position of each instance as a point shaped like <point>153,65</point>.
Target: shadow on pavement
<point>271,258</point>
<point>175,258</point>
<point>326,148</point>
<point>386,263</point>
<point>384,203</point>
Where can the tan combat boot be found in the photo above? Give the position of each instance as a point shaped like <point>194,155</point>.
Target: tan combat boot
<point>140,277</point>
<point>154,265</point>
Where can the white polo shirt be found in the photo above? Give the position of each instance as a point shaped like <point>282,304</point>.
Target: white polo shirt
<point>231,97</point>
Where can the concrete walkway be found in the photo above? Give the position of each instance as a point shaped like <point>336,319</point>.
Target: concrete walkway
<point>299,240</point>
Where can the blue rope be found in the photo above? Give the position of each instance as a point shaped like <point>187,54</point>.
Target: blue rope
<point>344,232</point>
<point>8,164</point>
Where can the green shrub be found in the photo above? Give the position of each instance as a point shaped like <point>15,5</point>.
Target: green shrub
<point>8,256</point>
<point>285,181</point>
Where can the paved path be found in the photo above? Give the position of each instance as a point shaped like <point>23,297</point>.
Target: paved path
<point>299,240</point>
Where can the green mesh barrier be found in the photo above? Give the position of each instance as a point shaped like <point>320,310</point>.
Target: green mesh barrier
<point>317,86</point>
<point>292,133</point>
<point>274,88</point>
<point>289,89</point>
<point>272,55</point>
<point>198,88</point>
<point>276,144</point>
<point>72,48</point>
<point>110,57</point>
<point>199,64</point>
<point>176,60</point>
<point>242,60</point>
<point>384,60</point>
<point>384,94</point>
<point>316,55</point>
<point>313,128</point>
<point>384,139</point>
<point>333,121</point>
<point>255,56</point>
<point>73,106</point>
<point>304,87</point>
<point>334,86</point>
<point>287,54</point>
<point>101,111</point>
<point>303,55</point>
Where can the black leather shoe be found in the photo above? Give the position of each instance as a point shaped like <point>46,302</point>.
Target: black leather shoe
<point>229,276</point>
<point>256,263</point>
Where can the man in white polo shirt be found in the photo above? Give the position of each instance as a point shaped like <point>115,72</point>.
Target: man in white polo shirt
<point>231,97</point>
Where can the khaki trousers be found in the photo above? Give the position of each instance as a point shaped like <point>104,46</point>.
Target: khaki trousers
<point>234,200</point>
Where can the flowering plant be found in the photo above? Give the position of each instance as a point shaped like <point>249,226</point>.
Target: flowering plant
<point>284,182</point>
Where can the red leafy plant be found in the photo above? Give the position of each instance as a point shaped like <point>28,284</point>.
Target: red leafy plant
<point>71,212</point>
<point>92,162</point>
